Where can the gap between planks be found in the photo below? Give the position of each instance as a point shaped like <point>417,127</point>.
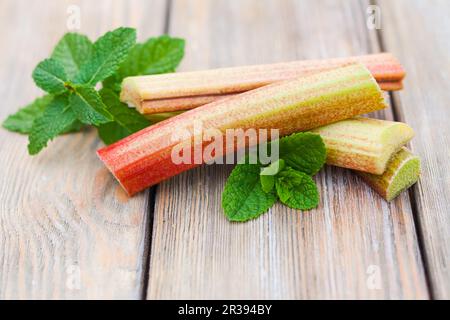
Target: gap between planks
<point>412,194</point>
<point>152,196</point>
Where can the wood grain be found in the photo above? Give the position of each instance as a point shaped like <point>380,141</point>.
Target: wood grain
<point>418,32</point>
<point>67,230</point>
<point>339,250</point>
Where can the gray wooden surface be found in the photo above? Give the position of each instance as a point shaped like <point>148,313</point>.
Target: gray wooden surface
<point>424,49</point>
<point>68,231</point>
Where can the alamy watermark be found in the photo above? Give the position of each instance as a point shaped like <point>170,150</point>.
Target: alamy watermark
<point>373,17</point>
<point>197,145</point>
<point>73,277</point>
<point>373,280</point>
<point>74,17</point>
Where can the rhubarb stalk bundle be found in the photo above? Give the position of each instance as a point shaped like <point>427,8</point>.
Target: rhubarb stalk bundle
<point>187,90</point>
<point>144,158</point>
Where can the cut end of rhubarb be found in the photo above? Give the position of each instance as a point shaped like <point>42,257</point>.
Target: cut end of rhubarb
<point>406,176</point>
<point>402,172</point>
<point>364,144</point>
<point>391,86</point>
<point>108,164</point>
<point>384,66</point>
<point>130,93</point>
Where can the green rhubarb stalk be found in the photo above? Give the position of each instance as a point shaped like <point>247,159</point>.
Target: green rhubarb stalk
<point>364,144</point>
<point>178,104</point>
<point>145,158</point>
<point>402,171</point>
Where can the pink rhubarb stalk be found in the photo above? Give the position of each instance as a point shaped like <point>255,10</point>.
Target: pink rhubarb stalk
<point>384,67</point>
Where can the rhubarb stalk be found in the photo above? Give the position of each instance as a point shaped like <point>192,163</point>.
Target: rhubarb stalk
<point>402,172</point>
<point>144,158</point>
<point>384,67</point>
<point>178,104</point>
<point>364,144</point>
<point>149,107</point>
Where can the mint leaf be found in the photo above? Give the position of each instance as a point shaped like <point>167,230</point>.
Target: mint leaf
<point>50,76</point>
<point>88,106</point>
<point>74,127</point>
<point>126,120</point>
<point>303,151</point>
<point>296,189</point>
<point>267,183</point>
<point>22,120</point>
<point>110,51</point>
<point>243,198</point>
<point>72,51</point>
<point>157,55</point>
<point>267,175</point>
<point>57,118</point>
<point>273,168</point>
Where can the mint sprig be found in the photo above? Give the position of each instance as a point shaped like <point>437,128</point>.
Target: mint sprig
<point>72,51</point>
<point>250,187</point>
<point>304,152</point>
<point>296,189</point>
<point>243,198</point>
<point>267,175</point>
<point>56,119</point>
<point>22,120</point>
<point>88,106</point>
<point>110,50</point>
<point>157,55</point>
<point>50,76</point>
<point>71,74</point>
<point>126,120</point>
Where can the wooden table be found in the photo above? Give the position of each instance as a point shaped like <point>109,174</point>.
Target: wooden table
<point>67,230</point>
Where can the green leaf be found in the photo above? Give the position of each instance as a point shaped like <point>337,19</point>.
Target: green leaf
<point>267,175</point>
<point>72,51</point>
<point>57,118</point>
<point>50,76</point>
<point>110,51</point>
<point>267,182</point>
<point>273,168</point>
<point>88,106</point>
<point>157,55</point>
<point>22,120</point>
<point>75,127</point>
<point>243,198</point>
<point>296,189</point>
<point>126,120</point>
<point>303,151</point>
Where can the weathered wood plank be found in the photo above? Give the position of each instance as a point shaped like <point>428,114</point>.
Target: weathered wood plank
<point>66,228</point>
<point>336,251</point>
<point>419,32</point>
